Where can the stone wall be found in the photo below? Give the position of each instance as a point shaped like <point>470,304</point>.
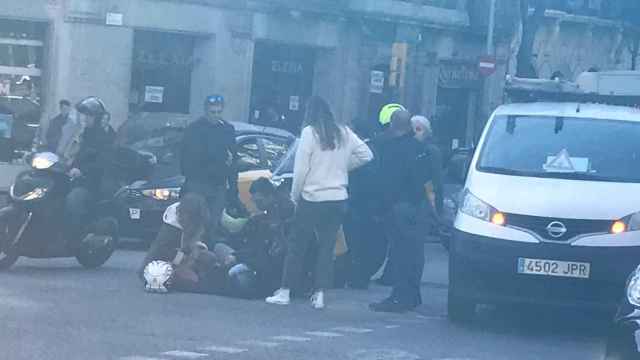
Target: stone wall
<point>572,44</point>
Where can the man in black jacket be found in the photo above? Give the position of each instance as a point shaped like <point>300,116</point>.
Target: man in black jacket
<point>401,182</point>
<point>208,160</point>
<point>54,131</point>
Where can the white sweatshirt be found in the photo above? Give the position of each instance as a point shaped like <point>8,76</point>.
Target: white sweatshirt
<point>323,175</point>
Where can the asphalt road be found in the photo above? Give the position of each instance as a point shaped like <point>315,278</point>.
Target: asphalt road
<point>56,310</point>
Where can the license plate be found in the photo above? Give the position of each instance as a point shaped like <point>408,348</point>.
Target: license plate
<point>554,268</point>
<point>134,214</point>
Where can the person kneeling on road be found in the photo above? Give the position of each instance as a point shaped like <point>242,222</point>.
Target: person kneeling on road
<point>249,264</point>
<point>180,243</point>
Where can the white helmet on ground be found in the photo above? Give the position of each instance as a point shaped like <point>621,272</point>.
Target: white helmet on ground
<point>158,276</point>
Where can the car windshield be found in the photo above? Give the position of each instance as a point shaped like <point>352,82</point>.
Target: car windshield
<point>284,167</point>
<point>563,147</point>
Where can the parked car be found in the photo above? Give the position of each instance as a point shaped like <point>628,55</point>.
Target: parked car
<point>624,339</point>
<point>141,204</point>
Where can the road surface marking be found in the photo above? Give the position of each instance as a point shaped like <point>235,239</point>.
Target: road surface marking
<point>139,358</point>
<point>383,354</point>
<point>392,326</point>
<point>432,317</point>
<point>352,330</point>
<point>269,344</point>
<point>291,338</point>
<point>327,334</point>
<point>185,354</point>
<point>224,349</point>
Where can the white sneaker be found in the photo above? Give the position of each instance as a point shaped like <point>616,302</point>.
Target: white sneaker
<point>280,297</point>
<point>317,300</point>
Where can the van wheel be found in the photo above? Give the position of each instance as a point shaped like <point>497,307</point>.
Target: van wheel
<point>460,310</point>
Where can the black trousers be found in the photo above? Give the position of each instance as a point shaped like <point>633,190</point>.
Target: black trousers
<point>315,223</point>
<point>367,245</point>
<point>216,201</point>
<point>406,226</point>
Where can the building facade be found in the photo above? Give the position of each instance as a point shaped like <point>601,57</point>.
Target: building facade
<point>265,56</point>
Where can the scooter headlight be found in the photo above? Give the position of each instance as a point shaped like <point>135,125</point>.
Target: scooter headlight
<point>163,194</point>
<point>633,288</point>
<point>44,161</point>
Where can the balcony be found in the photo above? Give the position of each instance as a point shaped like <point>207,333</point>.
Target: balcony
<point>444,13</point>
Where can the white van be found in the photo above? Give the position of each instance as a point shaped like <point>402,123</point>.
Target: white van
<point>551,208</point>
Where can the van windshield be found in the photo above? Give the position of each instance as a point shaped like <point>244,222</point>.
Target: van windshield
<point>563,147</point>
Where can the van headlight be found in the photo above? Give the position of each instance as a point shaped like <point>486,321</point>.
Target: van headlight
<point>632,221</point>
<point>633,288</point>
<point>474,207</point>
<point>163,194</point>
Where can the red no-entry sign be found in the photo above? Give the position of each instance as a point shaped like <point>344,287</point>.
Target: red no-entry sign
<point>487,65</point>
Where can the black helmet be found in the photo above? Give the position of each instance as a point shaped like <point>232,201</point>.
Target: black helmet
<point>242,281</point>
<point>91,106</point>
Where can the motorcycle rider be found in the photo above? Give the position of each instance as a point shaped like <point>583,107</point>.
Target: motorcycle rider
<point>85,154</point>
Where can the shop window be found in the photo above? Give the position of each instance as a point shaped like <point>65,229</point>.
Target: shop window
<point>162,68</point>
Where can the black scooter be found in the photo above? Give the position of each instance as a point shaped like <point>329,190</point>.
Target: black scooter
<point>33,224</point>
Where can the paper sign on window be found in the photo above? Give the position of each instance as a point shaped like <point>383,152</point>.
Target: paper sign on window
<point>154,94</point>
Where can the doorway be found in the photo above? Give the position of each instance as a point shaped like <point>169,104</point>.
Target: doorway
<point>452,114</point>
<point>282,83</point>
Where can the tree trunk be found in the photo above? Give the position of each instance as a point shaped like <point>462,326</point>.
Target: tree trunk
<point>530,25</point>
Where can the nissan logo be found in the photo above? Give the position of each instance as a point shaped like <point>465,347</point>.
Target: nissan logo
<point>556,229</point>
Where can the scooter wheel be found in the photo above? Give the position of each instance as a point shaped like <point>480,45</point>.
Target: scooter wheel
<point>7,256</point>
<point>90,257</point>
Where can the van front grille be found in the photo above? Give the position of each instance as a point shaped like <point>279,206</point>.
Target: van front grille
<point>574,227</point>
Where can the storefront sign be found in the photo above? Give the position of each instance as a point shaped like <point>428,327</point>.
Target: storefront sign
<point>5,88</point>
<point>154,94</point>
<point>288,67</point>
<point>294,103</point>
<point>377,82</point>
<point>458,75</point>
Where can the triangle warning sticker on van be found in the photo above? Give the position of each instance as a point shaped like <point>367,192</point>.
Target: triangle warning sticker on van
<point>559,163</point>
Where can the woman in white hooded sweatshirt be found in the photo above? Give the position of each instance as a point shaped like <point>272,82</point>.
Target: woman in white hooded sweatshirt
<point>327,151</point>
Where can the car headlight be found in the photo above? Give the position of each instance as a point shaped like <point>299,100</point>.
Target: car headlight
<point>34,194</point>
<point>163,194</point>
<point>473,206</point>
<point>633,288</point>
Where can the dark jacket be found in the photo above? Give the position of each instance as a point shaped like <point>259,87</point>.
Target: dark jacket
<point>96,145</point>
<point>400,173</point>
<point>433,168</point>
<point>54,132</point>
<point>204,155</point>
